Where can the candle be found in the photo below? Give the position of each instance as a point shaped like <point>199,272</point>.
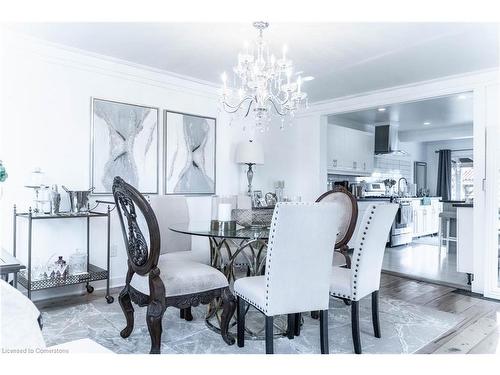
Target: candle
<point>225,212</point>
<point>224,80</point>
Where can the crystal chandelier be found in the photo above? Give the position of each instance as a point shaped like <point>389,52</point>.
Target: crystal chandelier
<point>264,84</point>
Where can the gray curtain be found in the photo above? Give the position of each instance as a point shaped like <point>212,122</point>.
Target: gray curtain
<point>443,189</point>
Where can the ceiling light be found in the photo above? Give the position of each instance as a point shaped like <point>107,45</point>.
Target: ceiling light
<point>382,109</point>
<point>462,96</point>
<point>267,84</point>
<point>427,123</point>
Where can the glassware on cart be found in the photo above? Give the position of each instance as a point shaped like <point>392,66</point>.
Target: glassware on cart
<point>77,262</point>
<point>60,269</point>
<point>55,200</point>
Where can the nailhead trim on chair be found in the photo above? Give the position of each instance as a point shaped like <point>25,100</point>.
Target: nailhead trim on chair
<point>356,266</point>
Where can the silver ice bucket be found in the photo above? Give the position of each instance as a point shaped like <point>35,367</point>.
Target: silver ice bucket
<point>78,199</point>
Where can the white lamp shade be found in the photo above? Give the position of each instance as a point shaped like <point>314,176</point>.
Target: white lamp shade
<point>249,152</point>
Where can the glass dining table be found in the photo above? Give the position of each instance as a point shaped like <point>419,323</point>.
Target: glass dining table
<point>247,244</point>
<point>231,252</point>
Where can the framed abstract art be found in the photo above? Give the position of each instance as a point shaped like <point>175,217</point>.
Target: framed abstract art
<point>124,143</point>
<point>189,153</point>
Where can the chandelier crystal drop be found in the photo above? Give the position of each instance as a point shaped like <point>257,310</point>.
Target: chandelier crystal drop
<point>264,84</point>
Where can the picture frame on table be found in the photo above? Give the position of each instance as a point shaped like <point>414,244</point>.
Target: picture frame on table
<point>125,143</point>
<point>189,166</point>
<point>258,199</point>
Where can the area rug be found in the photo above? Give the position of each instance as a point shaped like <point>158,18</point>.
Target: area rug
<point>405,329</point>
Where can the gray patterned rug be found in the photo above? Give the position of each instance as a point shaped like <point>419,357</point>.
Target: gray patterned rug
<point>405,329</point>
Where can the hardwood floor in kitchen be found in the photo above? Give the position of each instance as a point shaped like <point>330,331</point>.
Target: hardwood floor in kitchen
<point>478,332</point>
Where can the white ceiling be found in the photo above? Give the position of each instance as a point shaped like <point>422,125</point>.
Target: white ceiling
<point>443,112</point>
<point>345,58</point>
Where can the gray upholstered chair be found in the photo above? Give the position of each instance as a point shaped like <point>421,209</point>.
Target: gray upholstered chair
<point>363,278</point>
<point>298,268</point>
<point>156,280</point>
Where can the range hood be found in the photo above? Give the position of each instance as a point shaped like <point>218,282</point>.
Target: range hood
<point>386,140</point>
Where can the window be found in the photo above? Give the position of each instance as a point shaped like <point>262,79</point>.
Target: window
<point>462,178</point>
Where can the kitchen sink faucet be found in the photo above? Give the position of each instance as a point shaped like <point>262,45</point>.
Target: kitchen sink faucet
<point>400,193</point>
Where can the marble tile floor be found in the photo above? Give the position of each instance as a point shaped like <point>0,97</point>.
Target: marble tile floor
<point>406,328</point>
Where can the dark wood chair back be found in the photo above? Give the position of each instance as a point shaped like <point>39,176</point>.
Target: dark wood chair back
<point>341,194</point>
<point>129,203</point>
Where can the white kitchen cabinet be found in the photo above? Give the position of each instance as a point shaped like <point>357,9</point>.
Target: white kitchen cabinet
<point>426,218</point>
<point>350,151</point>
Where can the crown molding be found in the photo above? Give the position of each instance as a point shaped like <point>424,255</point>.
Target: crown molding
<point>101,64</point>
<point>414,91</point>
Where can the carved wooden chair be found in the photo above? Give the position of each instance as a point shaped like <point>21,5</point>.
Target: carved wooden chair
<point>348,222</point>
<point>349,216</point>
<point>183,283</point>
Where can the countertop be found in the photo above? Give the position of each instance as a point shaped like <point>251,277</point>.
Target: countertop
<point>463,205</point>
<point>389,198</point>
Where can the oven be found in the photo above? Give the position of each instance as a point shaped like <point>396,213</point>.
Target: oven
<point>402,227</point>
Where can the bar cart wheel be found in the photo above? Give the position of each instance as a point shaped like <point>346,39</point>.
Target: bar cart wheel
<point>110,299</point>
<point>90,289</point>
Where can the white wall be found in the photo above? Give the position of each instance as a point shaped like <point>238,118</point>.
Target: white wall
<point>45,121</point>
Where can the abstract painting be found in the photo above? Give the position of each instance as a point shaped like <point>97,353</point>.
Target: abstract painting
<point>125,144</point>
<point>189,154</point>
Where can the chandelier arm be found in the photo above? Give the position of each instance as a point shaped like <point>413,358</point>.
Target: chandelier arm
<point>276,108</point>
<point>238,105</point>
<point>249,106</point>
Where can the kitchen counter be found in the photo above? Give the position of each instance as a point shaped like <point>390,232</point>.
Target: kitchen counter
<point>463,205</point>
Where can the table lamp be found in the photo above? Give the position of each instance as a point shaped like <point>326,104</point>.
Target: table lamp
<point>250,153</point>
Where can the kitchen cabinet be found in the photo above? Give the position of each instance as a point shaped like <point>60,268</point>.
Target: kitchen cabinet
<point>350,151</point>
<point>426,217</point>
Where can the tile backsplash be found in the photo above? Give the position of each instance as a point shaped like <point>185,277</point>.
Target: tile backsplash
<point>384,167</point>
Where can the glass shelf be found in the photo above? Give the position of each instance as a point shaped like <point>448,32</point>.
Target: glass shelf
<point>62,215</point>
<point>95,273</point>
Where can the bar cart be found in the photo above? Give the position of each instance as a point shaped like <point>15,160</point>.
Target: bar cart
<point>93,273</point>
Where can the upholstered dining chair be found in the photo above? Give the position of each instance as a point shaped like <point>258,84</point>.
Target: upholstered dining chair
<point>175,246</point>
<point>156,281</point>
<point>349,216</point>
<point>363,278</point>
<point>298,268</point>
<point>349,207</point>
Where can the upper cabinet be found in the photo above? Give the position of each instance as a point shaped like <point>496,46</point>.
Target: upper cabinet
<point>350,151</point>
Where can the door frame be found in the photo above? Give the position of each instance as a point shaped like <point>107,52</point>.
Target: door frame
<point>482,85</point>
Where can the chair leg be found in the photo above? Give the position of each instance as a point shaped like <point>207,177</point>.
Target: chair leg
<point>290,329</point>
<point>323,331</point>
<point>128,311</point>
<point>186,314</point>
<point>240,315</point>
<point>298,321</point>
<point>228,307</point>
<point>375,317</point>
<point>154,316</point>
<point>156,309</point>
<point>269,335</point>
<point>355,326</point>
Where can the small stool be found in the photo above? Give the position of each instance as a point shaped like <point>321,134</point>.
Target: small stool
<point>446,216</point>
